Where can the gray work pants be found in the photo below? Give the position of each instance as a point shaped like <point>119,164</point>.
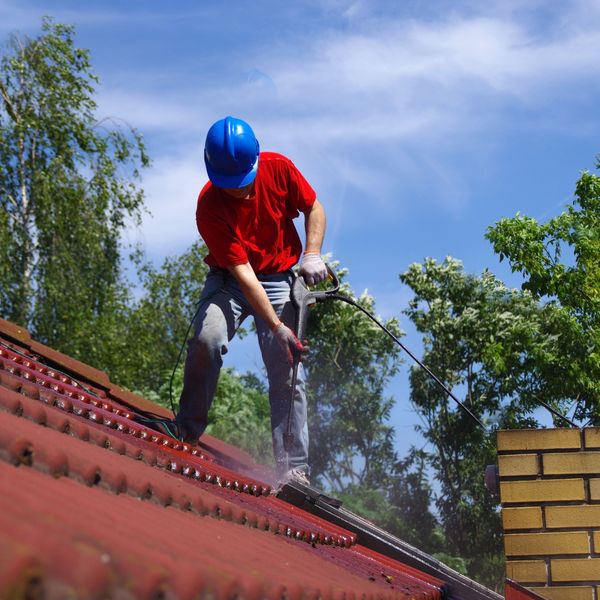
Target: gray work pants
<point>223,307</point>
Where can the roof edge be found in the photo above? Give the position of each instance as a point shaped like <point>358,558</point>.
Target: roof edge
<point>458,586</point>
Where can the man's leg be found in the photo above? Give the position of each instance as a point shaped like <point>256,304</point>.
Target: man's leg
<point>279,372</point>
<point>219,316</point>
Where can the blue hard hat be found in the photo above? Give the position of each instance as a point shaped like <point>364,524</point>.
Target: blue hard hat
<point>231,153</point>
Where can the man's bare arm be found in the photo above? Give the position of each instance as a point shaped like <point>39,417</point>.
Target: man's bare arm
<point>312,267</point>
<point>314,224</point>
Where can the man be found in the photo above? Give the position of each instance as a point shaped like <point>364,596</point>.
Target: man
<point>245,216</point>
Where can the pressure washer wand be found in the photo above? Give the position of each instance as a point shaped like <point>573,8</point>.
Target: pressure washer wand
<point>303,298</point>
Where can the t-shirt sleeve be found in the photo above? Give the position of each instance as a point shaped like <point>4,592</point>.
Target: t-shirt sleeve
<point>301,193</point>
<point>224,247</point>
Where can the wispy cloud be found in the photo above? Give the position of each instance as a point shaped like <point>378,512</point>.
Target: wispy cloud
<point>392,80</point>
<point>373,99</point>
<point>377,107</point>
<point>152,111</point>
<point>399,79</point>
<point>404,95</point>
<point>171,187</point>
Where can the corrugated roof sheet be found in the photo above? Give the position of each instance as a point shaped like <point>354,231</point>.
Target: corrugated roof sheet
<point>95,505</point>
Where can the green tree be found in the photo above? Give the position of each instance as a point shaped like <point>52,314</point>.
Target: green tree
<point>487,343</point>
<point>158,320</point>
<point>402,504</point>
<point>67,190</point>
<point>411,497</point>
<point>559,262</point>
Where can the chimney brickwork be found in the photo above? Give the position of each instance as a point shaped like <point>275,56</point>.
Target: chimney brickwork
<point>550,496</point>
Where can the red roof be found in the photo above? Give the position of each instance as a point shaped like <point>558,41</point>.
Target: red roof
<point>95,505</point>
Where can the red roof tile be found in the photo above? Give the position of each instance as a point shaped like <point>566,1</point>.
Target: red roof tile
<point>94,504</point>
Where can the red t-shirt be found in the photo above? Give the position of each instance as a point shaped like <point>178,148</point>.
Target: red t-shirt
<point>259,229</point>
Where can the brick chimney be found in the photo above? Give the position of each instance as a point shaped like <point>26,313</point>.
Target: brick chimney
<point>550,497</point>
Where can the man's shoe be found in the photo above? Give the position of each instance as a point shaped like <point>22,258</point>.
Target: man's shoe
<point>294,476</point>
<point>174,430</point>
<point>164,426</point>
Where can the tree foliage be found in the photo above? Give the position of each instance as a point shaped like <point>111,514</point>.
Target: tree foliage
<point>410,495</point>
<point>67,190</point>
<point>159,319</point>
<point>559,262</point>
<point>488,343</point>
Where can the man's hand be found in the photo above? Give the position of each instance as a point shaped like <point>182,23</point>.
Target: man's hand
<point>312,268</point>
<point>289,342</point>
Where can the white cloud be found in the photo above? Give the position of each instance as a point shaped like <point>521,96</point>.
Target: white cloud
<point>397,80</point>
<point>393,101</point>
<point>406,79</point>
<point>171,187</point>
<point>151,111</point>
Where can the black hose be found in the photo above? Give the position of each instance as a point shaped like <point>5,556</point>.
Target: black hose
<point>423,366</point>
<point>185,337</point>
<point>552,410</point>
<point>556,413</point>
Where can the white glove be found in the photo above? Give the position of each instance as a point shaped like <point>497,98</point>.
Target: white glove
<point>312,268</point>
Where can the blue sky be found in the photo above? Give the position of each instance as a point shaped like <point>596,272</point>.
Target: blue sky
<point>419,123</point>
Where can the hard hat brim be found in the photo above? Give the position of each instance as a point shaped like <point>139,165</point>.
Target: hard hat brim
<point>231,181</point>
